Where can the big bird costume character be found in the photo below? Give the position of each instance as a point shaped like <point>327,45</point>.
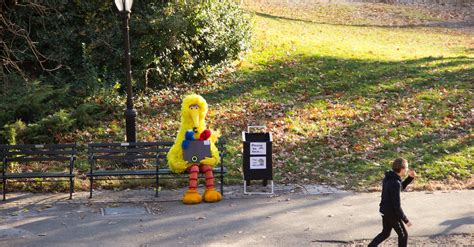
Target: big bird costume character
<point>193,127</point>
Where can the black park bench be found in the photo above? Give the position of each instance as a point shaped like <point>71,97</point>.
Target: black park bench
<point>28,156</point>
<point>136,160</point>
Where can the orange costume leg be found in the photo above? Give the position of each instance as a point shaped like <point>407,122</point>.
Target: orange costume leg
<point>192,196</point>
<point>210,195</point>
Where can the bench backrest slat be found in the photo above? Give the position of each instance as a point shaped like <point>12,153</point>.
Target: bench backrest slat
<point>22,159</point>
<point>124,157</point>
<point>38,146</point>
<point>127,151</point>
<point>37,152</point>
<point>40,152</point>
<point>141,150</point>
<point>220,146</point>
<point>127,144</point>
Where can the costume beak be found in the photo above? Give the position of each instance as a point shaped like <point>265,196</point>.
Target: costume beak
<point>195,117</point>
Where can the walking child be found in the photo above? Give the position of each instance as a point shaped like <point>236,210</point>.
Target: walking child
<point>390,206</point>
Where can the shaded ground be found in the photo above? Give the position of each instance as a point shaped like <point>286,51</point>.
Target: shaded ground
<point>293,216</point>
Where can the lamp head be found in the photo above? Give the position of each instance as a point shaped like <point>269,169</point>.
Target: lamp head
<point>124,5</point>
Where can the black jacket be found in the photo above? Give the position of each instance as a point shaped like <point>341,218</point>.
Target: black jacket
<point>392,186</point>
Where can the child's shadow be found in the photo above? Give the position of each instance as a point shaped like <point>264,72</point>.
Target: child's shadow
<point>453,224</point>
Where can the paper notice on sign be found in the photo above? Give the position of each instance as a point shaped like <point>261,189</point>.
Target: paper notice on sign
<point>258,163</point>
<point>258,148</point>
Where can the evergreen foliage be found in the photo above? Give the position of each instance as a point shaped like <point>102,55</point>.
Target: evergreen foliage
<point>62,56</point>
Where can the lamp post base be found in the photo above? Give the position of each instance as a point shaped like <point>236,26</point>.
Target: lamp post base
<point>130,115</point>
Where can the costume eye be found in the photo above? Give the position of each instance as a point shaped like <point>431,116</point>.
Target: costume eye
<point>193,107</point>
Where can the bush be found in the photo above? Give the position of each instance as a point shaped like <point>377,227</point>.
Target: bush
<point>47,130</point>
<point>171,41</point>
<point>78,54</point>
<point>30,103</point>
<point>105,105</point>
<point>197,39</point>
<point>179,41</point>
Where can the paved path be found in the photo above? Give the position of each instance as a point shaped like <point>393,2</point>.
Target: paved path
<point>292,217</point>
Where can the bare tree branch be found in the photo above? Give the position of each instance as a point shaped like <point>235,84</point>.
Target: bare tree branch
<point>8,52</point>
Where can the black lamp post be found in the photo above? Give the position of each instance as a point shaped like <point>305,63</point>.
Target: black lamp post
<point>124,7</point>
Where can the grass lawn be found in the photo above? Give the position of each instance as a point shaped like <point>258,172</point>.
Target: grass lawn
<point>342,98</point>
<point>344,101</point>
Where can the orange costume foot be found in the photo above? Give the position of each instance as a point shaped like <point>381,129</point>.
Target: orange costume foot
<point>192,197</point>
<point>211,195</point>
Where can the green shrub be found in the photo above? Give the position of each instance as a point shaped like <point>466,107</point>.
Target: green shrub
<point>171,42</point>
<point>10,132</point>
<point>195,39</point>
<point>47,130</point>
<point>105,104</point>
<point>86,114</point>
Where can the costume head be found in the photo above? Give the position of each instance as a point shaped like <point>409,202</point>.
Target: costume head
<point>193,113</point>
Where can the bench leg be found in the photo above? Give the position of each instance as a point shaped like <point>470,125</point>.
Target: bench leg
<point>222,184</point>
<point>71,187</point>
<point>4,189</point>
<point>92,181</point>
<point>157,185</point>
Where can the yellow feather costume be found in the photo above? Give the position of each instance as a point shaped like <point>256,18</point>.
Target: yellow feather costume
<point>193,113</point>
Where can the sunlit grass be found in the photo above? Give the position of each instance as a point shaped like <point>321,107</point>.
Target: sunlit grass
<point>342,99</point>
<point>354,98</point>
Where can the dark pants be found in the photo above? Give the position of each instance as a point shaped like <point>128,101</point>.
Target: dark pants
<point>388,224</point>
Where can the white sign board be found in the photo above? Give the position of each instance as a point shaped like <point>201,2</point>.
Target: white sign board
<point>258,148</point>
<point>258,162</point>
